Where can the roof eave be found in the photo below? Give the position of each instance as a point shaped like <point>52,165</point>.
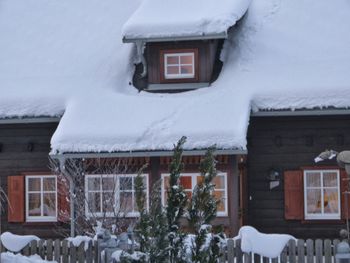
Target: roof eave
<point>144,154</point>
<point>222,35</point>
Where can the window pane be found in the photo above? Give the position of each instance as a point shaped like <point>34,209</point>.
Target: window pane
<point>219,182</point>
<point>186,70</point>
<point>125,183</point>
<point>166,182</point>
<point>49,184</point>
<point>49,206</point>
<point>314,201</point>
<point>186,182</point>
<point>172,60</point>
<point>108,183</point>
<point>94,184</point>
<point>108,202</point>
<point>172,70</point>
<point>331,201</point>
<point>126,202</point>
<point>313,179</point>
<point>94,202</point>
<point>34,184</point>
<point>187,59</point>
<point>34,205</point>
<point>330,179</point>
<point>219,195</point>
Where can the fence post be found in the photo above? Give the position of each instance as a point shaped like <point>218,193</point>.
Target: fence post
<point>33,246</point>
<point>327,251</point>
<point>49,254</point>
<point>89,257</point>
<point>284,258</point>
<point>301,250</point>
<point>41,248</point>
<point>309,251</point>
<point>239,253</point>
<point>72,253</point>
<point>335,243</point>
<point>292,251</point>
<point>230,251</point>
<point>26,251</point>
<point>319,251</point>
<point>81,252</point>
<point>65,249</point>
<point>57,250</point>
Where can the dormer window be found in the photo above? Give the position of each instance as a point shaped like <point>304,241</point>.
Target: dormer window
<point>179,65</point>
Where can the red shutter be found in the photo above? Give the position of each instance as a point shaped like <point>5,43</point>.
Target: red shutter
<point>63,212</point>
<point>293,195</point>
<point>15,187</point>
<point>344,187</point>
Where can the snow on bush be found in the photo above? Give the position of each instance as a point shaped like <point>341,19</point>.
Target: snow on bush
<point>8,257</point>
<point>15,243</point>
<point>267,245</point>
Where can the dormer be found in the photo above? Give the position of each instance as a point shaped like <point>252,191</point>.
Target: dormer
<point>179,42</point>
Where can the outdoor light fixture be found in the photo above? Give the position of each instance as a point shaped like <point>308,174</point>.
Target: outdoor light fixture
<point>274,178</point>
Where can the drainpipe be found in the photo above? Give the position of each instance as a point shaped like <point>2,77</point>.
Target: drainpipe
<point>139,47</point>
<point>62,161</point>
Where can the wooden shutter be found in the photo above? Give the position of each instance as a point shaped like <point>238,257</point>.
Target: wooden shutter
<point>344,187</point>
<point>63,212</point>
<point>293,195</point>
<point>16,191</point>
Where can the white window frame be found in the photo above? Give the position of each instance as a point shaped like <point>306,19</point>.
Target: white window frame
<point>117,192</point>
<point>194,183</point>
<point>41,192</point>
<point>322,215</point>
<point>180,75</point>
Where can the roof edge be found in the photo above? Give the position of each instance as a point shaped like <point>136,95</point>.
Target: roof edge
<point>26,120</point>
<point>144,154</point>
<point>222,35</point>
<point>311,112</point>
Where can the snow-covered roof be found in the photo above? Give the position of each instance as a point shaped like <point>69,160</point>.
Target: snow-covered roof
<point>68,56</point>
<point>184,18</point>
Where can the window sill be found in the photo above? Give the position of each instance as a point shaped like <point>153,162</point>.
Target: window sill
<point>177,86</point>
<point>41,223</point>
<point>323,221</point>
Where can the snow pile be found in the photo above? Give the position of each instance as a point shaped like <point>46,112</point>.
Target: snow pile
<point>16,243</point>
<point>161,18</point>
<point>267,245</point>
<point>136,256</point>
<point>77,240</point>
<point>8,257</point>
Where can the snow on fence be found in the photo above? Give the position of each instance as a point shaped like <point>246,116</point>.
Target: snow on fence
<point>309,251</point>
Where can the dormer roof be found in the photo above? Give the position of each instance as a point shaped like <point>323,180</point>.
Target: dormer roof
<point>165,20</point>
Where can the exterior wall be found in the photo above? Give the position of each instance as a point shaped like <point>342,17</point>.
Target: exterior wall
<point>25,148</point>
<point>288,143</point>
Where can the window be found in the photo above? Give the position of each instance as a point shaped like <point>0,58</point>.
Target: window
<point>322,194</point>
<point>112,195</point>
<point>178,65</point>
<point>41,198</point>
<point>190,180</point>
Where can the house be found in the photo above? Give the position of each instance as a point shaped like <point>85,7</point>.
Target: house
<point>94,81</point>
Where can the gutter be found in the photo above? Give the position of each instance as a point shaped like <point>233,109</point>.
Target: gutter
<point>29,120</point>
<point>286,113</point>
<point>222,35</point>
<point>144,154</point>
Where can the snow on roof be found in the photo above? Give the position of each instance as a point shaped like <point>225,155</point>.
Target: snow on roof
<point>162,19</point>
<point>68,56</point>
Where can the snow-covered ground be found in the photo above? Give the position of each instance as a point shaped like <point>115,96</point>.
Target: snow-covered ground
<point>8,257</point>
<point>68,57</point>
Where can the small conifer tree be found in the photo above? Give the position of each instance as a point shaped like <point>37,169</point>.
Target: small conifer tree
<point>202,210</point>
<point>176,205</point>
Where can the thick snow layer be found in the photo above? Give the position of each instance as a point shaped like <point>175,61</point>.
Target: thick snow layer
<point>8,257</point>
<point>68,56</point>
<point>267,245</point>
<point>77,240</point>
<point>166,18</point>
<point>14,242</point>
